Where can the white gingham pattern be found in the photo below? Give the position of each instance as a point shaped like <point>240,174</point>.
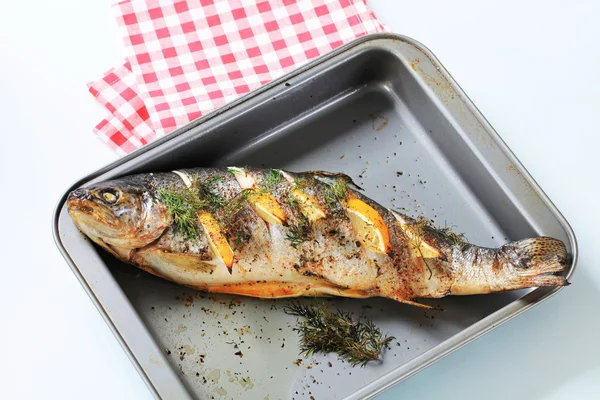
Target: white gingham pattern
<point>186,58</point>
<point>128,127</point>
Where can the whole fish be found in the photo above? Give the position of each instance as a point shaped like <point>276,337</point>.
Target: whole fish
<point>272,233</point>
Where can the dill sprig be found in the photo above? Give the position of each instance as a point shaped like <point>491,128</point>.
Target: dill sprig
<point>241,238</point>
<point>302,183</point>
<point>270,181</point>
<point>322,331</point>
<point>292,202</point>
<point>456,239</point>
<point>205,191</point>
<point>335,192</point>
<point>300,232</point>
<point>183,206</point>
<point>235,205</point>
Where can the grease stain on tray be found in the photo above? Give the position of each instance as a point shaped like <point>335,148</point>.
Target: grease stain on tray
<point>379,122</point>
<point>155,361</point>
<point>438,83</point>
<point>220,346</point>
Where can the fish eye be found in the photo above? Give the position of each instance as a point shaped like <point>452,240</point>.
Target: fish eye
<point>110,196</point>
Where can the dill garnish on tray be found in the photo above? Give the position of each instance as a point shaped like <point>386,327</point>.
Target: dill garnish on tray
<point>322,331</point>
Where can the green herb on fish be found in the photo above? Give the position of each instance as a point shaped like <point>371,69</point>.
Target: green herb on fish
<point>241,238</point>
<point>235,205</point>
<point>455,239</point>
<point>300,232</point>
<point>303,183</point>
<point>183,206</point>
<point>270,181</point>
<point>206,192</point>
<point>322,331</point>
<point>335,192</point>
<point>292,202</point>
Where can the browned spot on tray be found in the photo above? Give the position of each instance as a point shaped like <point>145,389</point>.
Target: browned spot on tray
<point>528,190</point>
<point>511,168</point>
<point>437,82</point>
<point>379,121</point>
<point>414,63</point>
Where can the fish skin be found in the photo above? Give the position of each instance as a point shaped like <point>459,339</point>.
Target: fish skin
<point>138,229</point>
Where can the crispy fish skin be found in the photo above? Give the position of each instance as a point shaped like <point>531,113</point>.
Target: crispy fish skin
<point>129,218</point>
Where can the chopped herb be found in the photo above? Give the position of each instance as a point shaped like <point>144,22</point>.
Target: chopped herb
<point>235,170</point>
<point>335,192</point>
<point>323,331</point>
<point>205,192</point>
<point>214,178</point>
<point>235,205</point>
<point>455,239</point>
<point>292,202</point>
<point>242,237</point>
<point>303,183</point>
<point>183,206</point>
<point>301,232</point>
<point>271,180</point>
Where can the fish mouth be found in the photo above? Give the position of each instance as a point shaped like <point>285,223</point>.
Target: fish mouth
<point>80,200</point>
<point>79,194</point>
<point>89,216</point>
<point>80,207</point>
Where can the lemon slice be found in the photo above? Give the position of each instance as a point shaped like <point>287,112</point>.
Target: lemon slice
<point>267,208</point>
<point>368,225</point>
<point>217,242</point>
<point>264,204</point>
<point>308,206</point>
<point>418,247</point>
<point>245,180</point>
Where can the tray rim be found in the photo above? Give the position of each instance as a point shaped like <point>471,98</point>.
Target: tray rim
<point>418,363</point>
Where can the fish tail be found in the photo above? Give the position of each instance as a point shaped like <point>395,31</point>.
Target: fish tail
<point>521,264</point>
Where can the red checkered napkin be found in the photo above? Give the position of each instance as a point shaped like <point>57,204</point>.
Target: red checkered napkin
<point>186,58</point>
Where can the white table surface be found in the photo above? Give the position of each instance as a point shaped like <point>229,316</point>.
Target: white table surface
<point>532,69</point>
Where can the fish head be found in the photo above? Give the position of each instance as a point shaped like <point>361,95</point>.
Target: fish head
<point>121,213</point>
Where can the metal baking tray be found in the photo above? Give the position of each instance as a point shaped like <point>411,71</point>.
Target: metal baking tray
<point>383,110</point>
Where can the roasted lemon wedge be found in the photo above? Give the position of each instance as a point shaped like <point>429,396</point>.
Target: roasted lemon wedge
<point>309,207</point>
<point>368,225</point>
<point>419,247</point>
<point>217,242</point>
<point>264,204</point>
<point>267,208</point>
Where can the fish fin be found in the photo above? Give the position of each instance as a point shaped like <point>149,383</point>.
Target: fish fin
<point>326,176</point>
<point>173,261</point>
<point>416,304</point>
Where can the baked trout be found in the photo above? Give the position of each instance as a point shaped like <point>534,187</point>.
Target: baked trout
<point>271,233</point>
